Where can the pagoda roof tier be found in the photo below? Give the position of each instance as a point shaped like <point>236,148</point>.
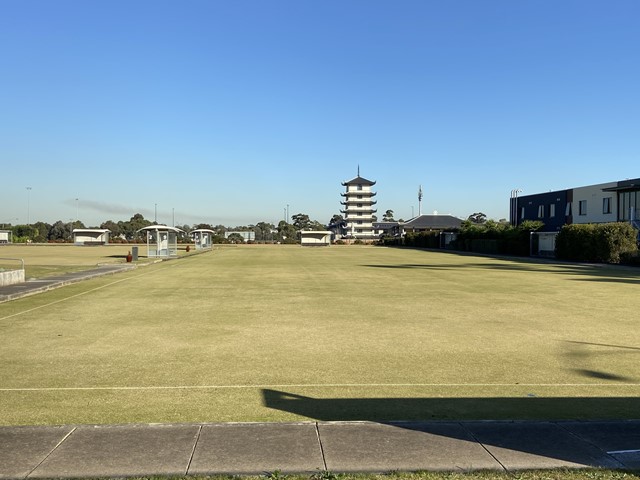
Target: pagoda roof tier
<point>358,180</point>
<point>358,192</point>
<point>362,200</point>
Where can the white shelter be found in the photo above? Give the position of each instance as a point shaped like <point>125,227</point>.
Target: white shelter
<point>5,236</point>
<point>162,241</point>
<point>203,238</point>
<point>91,236</point>
<point>315,238</point>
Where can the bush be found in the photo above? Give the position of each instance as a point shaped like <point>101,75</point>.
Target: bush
<point>602,243</point>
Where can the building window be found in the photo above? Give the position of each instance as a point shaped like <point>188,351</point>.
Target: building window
<point>541,211</point>
<point>567,212</point>
<point>359,205</point>
<point>359,214</point>
<point>359,230</point>
<point>606,205</point>
<point>359,197</point>
<point>552,210</point>
<point>522,213</point>
<point>582,207</point>
<point>359,222</point>
<point>359,186</point>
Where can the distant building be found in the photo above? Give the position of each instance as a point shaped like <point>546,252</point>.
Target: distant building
<point>601,203</point>
<point>358,201</point>
<point>247,236</point>
<point>426,223</point>
<point>91,236</point>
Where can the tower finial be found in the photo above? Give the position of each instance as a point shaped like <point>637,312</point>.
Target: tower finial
<point>358,169</point>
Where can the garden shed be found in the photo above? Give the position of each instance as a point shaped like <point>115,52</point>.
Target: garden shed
<point>162,241</point>
<point>203,238</point>
<point>91,236</point>
<point>315,238</point>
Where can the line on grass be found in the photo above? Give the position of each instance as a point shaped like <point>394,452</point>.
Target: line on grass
<point>75,296</point>
<point>318,385</point>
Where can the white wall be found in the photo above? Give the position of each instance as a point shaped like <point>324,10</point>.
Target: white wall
<point>594,197</point>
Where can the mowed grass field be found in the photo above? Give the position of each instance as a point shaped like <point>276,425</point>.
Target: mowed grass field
<point>285,333</point>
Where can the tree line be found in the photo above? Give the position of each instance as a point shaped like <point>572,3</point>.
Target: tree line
<point>128,231</point>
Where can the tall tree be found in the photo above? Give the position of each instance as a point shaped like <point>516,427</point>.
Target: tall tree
<point>477,217</point>
<point>388,216</point>
<point>301,221</point>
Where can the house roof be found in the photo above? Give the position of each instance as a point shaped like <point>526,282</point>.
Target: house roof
<point>357,180</point>
<point>433,222</point>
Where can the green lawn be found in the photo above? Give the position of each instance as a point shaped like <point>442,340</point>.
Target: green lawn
<point>282,333</point>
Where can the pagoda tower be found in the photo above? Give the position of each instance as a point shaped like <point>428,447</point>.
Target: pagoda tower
<point>358,207</point>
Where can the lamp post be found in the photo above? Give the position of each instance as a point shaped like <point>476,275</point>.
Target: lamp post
<point>77,209</point>
<point>28,206</point>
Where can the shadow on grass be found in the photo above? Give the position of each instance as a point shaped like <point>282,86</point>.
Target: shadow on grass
<point>414,409</point>
<point>571,442</point>
<point>596,273</point>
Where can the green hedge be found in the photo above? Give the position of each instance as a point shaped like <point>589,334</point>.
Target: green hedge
<point>601,243</point>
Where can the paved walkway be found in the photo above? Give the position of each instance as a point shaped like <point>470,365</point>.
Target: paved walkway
<point>312,447</point>
<point>31,287</point>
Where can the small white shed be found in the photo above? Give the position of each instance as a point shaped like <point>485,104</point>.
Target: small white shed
<point>162,241</point>
<point>91,236</point>
<point>5,236</point>
<point>315,238</point>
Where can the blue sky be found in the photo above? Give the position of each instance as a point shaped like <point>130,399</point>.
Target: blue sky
<point>228,111</point>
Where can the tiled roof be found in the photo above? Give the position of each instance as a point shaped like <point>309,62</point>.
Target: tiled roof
<point>433,221</point>
<point>357,180</point>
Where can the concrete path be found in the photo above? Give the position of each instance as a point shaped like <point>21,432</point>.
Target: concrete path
<point>312,447</point>
<point>32,287</point>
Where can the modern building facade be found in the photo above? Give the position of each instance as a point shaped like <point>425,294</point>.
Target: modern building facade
<point>601,203</point>
<point>358,201</point>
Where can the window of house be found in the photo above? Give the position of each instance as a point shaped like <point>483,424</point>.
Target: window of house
<point>541,211</point>
<point>552,210</point>
<point>359,205</point>
<point>359,186</point>
<point>522,213</point>
<point>606,205</point>
<point>359,222</point>
<point>567,212</point>
<point>359,197</point>
<point>359,214</point>
<point>582,207</point>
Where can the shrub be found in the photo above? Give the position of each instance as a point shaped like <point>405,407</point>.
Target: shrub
<point>604,242</point>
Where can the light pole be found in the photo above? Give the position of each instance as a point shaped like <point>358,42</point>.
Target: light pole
<point>77,209</point>
<point>28,206</point>
<point>287,213</point>
<point>514,206</point>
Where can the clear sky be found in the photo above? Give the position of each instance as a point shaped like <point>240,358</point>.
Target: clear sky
<point>228,111</point>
